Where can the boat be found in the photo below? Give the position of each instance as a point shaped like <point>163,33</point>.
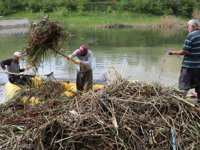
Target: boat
<point>69,87</point>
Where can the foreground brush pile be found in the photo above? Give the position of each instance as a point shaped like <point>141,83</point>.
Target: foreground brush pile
<point>41,90</point>
<point>122,115</point>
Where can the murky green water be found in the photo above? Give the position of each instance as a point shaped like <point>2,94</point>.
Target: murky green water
<point>137,54</point>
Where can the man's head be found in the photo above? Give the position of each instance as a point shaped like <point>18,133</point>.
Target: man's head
<point>83,50</point>
<point>17,55</point>
<point>193,24</point>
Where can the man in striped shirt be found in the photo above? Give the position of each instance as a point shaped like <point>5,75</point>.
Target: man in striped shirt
<point>190,71</point>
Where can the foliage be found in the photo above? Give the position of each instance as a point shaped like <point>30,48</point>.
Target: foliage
<point>62,11</point>
<point>7,6</point>
<point>158,7</point>
<point>180,8</point>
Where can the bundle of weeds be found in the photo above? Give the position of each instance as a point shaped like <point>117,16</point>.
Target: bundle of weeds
<point>51,89</point>
<point>122,115</point>
<point>44,37</point>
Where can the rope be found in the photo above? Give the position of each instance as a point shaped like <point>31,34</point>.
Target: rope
<point>162,66</point>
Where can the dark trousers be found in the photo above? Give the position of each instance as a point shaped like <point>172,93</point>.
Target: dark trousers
<point>84,81</point>
<point>19,80</point>
<point>190,78</point>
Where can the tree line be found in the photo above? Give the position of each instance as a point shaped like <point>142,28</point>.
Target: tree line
<point>182,8</point>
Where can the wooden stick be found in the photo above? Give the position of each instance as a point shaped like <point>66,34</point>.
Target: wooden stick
<point>183,100</point>
<point>19,74</point>
<point>73,60</point>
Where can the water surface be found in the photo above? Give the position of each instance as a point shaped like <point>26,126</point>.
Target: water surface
<point>137,54</point>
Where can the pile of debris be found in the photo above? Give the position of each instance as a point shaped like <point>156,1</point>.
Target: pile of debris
<point>121,115</point>
<point>44,36</point>
<point>41,90</point>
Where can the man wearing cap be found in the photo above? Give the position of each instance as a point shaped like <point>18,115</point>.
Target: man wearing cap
<point>12,68</point>
<point>190,71</point>
<point>84,79</point>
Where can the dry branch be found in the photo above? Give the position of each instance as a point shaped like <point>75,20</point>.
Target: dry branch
<point>122,115</point>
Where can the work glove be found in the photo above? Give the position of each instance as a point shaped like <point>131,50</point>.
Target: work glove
<point>77,62</point>
<point>169,52</point>
<point>69,57</point>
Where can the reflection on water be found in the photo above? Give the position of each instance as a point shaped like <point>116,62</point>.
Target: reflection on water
<point>135,54</point>
<point>17,31</point>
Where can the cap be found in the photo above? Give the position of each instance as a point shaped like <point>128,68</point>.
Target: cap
<point>83,50</point>
<point>18,54</point>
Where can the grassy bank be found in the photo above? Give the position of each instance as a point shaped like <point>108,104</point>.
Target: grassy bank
<point>100,19</point>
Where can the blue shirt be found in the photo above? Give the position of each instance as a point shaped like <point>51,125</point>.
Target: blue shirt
<point>192,46</point>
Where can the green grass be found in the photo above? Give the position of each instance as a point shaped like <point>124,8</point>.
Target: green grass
<point>99,19</point>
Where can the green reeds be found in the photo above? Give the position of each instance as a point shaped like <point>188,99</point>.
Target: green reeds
<point>44,37</point>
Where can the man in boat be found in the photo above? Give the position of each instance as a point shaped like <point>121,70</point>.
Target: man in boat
<point>190,71</point>
<point>12,68</point>
<point>84,79</point>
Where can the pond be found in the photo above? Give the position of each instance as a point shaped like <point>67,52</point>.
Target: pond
<point>136,54</point>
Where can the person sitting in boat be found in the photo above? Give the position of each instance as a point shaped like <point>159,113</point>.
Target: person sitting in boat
<point>12,68</point>
<point>85,62</point>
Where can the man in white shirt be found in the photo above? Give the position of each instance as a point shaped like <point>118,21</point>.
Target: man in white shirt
<point>84,79</point>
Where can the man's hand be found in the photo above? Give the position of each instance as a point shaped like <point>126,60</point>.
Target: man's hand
<point>69,57</point>
<point>21,73</point>
<point>77,62</point>
<point>27,67</point>
<point>169,52</point>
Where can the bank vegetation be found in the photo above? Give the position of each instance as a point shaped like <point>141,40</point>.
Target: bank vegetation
<point>182,8</point>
